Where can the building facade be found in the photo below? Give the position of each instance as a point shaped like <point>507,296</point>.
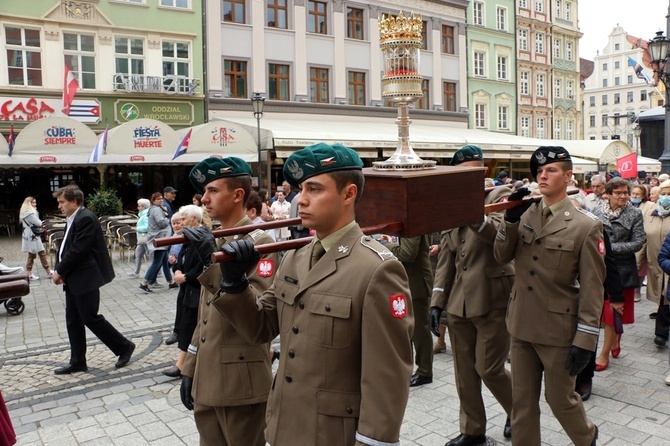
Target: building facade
<point>492,74</point>
<point>614,94</point>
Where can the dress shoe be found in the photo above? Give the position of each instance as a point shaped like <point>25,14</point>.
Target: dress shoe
<point>600,368</point>
<point>172,372</point>
<point>467,440</point>
<point>667,380</point>
<point>653,315</point>
<point>660,341</point>
<point>439,348</point>
<point>71,368</point>
<point>507,430</point>
<point>124,359</point>
<point>584,389</point>
<point>172,339</point>
<point>418,380</point>
<point>595,437</point>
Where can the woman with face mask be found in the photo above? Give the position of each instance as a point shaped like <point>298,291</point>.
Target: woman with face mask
<point>656,227</point>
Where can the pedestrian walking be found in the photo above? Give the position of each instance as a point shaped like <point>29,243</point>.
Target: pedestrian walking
<point>32,242</point>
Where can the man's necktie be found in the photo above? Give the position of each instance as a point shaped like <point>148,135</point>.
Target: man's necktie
<point>546,213</point>
<point>317,252</point>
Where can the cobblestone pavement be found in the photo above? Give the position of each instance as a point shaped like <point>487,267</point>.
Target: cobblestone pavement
<point>138,405</point>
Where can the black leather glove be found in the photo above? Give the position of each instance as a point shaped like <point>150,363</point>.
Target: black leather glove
<point>513,215</point>
<point>234,272</point>
<point>578,359</point>
<point>185,392</point>
<point>435,314</point>
<point>202,240</point>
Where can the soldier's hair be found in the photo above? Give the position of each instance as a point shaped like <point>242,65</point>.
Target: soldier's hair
<point>565,165</point>
<point>241,182</point>
<point>345,177</point>
<point>615,183</point>
<point>70,192</point>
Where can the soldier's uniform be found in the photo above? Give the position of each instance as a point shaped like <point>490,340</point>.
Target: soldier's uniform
<point>231,377</point>
<point>474,289</point>
<point>556,303</point>
<point>345,327</point>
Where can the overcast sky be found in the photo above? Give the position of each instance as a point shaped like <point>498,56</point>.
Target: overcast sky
<point>641,18</point>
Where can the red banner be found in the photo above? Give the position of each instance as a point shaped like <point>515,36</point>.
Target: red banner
<point>627,166</point>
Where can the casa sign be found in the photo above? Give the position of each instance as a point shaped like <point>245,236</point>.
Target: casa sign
<point>34,108</point>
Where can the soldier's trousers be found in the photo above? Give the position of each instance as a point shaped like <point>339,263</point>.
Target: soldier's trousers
<point>421,338</point>
<point>231,425</point>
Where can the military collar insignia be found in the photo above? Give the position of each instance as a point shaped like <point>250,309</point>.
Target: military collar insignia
<point>342,249</point>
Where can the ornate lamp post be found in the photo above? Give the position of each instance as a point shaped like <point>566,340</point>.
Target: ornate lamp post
<point>400,42</point>
<point>258,102</point>
<point>659,49</point>
<point>637,132</point>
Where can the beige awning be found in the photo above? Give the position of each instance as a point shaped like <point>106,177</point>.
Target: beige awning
<point>648,164</point>
<point>140,141</point>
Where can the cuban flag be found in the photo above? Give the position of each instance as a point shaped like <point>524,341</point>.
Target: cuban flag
<point>70,86</point>
<point>99,148</point>
<point>638,71</point>
<point>183,145</point>
<point>11,140</point>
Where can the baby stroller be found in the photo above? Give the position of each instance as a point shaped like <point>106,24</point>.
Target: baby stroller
<point>13,285</point>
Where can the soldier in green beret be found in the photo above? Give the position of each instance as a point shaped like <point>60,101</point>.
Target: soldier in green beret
<point>226,380</point>
<point>342,305</point>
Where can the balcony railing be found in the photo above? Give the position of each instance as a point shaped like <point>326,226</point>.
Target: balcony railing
<point>155,84</point>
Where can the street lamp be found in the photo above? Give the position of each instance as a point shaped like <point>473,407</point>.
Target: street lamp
<point>637,131</point>
<point>659,49</point>
<point>258,102</point>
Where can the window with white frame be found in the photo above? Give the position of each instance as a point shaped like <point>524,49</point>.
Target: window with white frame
<point>79,51</point>
<point>525,126</point>
<point>592,101</point>
<point>177,62</point>
<point>24,56</point>
<point>617,65</point>
<point>539,84</point>
<point>539,43</point>
<point>629,97</point>
<point>643,95</point>
<point>175,3</point>
<point>501,18</point>
<point>480,69</point>
<point>592,121</point>
<point>539,5</point>
<point>478,13</point>
<point>568,50</point>
<point>630,78</point>
<point>570,126</point>
<point>570,90</point>
<point>503,117</point>
<point>129,55</point>
<point>523,4</point>
<point>524,78</point>
<point>539,124</point>
<point>557,128</point>
<point>480,116</point>
<point>568,11</point>
<point>523,39</point>
<point>557,48</point>
<point>558,9</point>
<point>502,68</point>
<point>557,88</point>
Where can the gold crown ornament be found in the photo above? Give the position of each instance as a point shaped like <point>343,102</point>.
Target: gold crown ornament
<point>400,28</point>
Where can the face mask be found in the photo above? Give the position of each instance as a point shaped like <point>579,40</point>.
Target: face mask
<point>636,200</point>
<point>664,200</point>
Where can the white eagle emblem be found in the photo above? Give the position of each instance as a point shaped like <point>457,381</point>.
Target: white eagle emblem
<point>342,249</point>
<point>295,169</point>
<point>541,159</point>
<point>266,268</point>
<point>398,306</point>
<point>199,177</point>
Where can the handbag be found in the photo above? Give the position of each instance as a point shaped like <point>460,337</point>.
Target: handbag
<point>38,230</point>
<point>628,272</point>
<point>142,238</point>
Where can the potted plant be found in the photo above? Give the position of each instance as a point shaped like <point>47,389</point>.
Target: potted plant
<point>104,202</point>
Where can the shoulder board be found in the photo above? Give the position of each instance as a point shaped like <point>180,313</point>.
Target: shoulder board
<point>255,234</point>
<point>377,248</point>
<point>588,214</point>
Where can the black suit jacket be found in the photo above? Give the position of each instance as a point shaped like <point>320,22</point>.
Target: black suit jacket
<point>85,264</point>
<point>189,263</point>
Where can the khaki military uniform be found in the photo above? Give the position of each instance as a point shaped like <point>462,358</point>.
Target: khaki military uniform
<point>556,303</point>
<point>475,289</point>
<point>345,327</point>
<point>413,253</point>
<point>231,377</point>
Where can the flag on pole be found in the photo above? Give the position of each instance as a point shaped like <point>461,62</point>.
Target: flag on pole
<point>183,145</point>
<point>70,86</point>
<point>638,71</point>
<point>99,148</point>
<point>12,139</point>
<point>627,166</point>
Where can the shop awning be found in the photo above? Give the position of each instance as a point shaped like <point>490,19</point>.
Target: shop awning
<point>580,165</point>
<point>648,164</point>
<point>603,151</point>
<point>140,141</point>
<point>51,141</point>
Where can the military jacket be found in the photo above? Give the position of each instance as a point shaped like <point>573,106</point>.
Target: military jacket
<point>560,268</point>
<point>226,369</point>
<point>346,328</point>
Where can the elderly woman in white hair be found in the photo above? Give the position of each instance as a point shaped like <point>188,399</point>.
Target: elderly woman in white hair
<point>656,227</point>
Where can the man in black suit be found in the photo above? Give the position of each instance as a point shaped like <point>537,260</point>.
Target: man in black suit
<point>83,267</point>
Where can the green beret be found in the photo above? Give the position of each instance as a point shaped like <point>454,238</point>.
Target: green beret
<point>317,159</point>
<point>546,155</point>
<point>467,153</point>
<point>213,168</point>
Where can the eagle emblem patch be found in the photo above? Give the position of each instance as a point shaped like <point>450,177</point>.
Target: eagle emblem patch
<point>398,306</point>
<point>265,268</point>
<point>601,247</point>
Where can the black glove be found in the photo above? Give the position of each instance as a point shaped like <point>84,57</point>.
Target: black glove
<point>234,272</point>
<point>435,314</point>
<point>202,240</point>
<point>578,359</point>
<point>513,215</point>
<point>185,392</point>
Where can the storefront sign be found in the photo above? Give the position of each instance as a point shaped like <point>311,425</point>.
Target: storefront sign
<point>34,108</point>
<point>168,112</point>
<point>59,136</point>
<point>147,138</point>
